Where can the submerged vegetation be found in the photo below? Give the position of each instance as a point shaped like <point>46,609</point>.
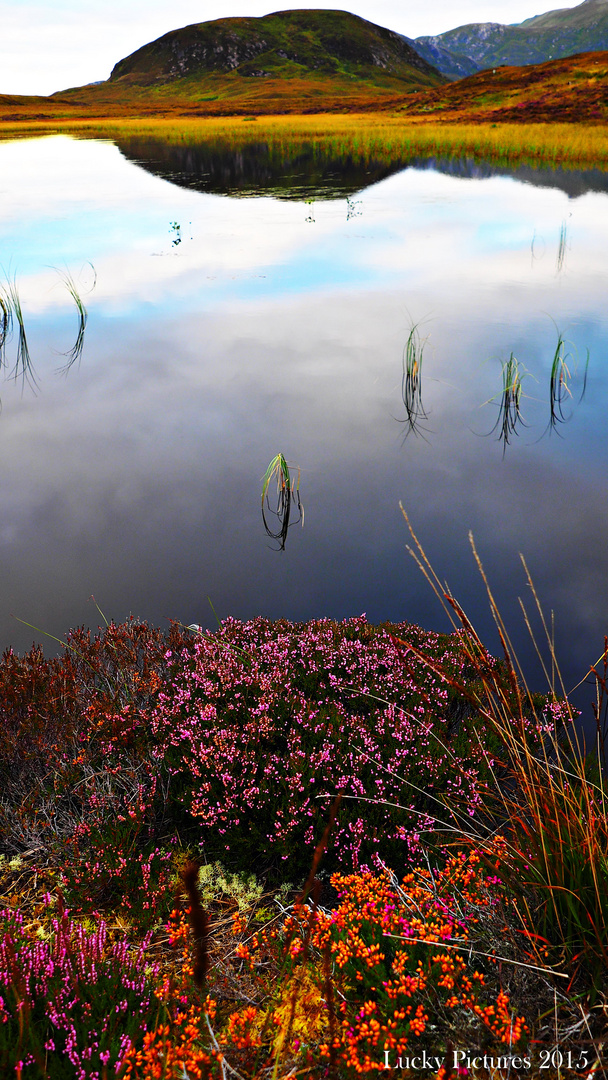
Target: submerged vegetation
<point>562,372</point>
<point>298,849</point>
<point>560,381</point>
<point>75,353</point>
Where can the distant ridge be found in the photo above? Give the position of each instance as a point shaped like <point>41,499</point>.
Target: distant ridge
<point>552,36</point>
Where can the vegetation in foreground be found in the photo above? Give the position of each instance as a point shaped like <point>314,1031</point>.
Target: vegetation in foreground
<point>309,849</point>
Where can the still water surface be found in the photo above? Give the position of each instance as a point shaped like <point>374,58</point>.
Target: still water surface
<point>224,329</point>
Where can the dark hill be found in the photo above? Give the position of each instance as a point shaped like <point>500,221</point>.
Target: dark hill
<point>286,44</point>
<point>551,36</point>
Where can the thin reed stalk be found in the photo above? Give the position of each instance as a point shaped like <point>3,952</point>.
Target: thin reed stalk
<point>562,246</point>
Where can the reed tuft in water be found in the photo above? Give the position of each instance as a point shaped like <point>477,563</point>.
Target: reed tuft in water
<point>509,408</point>
<point>74,354</point>
<point>6,324</point>
<point>287,495</point>
<point>559,385</point>
<point>11,313</point>
<point>411,382</point>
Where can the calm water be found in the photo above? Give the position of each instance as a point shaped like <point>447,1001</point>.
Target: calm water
<point>278,324</point>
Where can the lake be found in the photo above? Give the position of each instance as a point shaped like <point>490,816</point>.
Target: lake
<point>240,306</point>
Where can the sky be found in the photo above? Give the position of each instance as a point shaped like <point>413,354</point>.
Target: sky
<point>55,44</point>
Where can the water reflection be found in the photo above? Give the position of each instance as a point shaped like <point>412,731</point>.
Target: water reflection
<point>257,168</point>
<point>138,478</point>
<point>307,169</point>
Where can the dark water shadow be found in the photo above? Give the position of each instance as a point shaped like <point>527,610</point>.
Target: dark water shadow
<point>257,168</point>
<point>309,170</point>
<point>573,182</point>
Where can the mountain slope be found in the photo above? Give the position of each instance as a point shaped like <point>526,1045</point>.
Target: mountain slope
<point>551,36</point>
<point>574,89</point>
<point>285,44</point>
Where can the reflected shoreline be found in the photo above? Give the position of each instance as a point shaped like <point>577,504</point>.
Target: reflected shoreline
<point>309,171</point>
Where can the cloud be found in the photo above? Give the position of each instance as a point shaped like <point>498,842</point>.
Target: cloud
<point>51,46</point>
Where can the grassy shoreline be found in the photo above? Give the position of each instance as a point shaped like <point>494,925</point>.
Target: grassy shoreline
<point>569,145</point>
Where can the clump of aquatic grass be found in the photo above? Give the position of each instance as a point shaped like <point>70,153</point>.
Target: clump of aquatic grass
<point>560,379</point>
<point>75,353</point>
<point>509,408</point>
<point>287,495</point>
<point>550,804</point>
<point>559,384</point>
<point>11,312</point>
<point>6,324</point>
<point>411,381</point>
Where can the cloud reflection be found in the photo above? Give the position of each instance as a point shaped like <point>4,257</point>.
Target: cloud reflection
<point>137,478</point>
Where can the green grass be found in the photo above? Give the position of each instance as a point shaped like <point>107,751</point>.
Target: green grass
<point>381,136</point>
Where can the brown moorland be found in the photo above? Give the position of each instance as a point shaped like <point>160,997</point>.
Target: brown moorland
<point>573,90</point>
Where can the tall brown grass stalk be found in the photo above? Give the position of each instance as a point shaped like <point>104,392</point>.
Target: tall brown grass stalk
<point>549,799</point>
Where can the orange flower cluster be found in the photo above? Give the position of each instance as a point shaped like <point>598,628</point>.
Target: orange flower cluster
<point>171,1049</point>
<point>242,1030</point>
<point>390,979</point>
<point>499,1020</point>
<point>179,1046</point>
<point>343,987</point>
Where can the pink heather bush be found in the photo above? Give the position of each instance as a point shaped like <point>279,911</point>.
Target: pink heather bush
<point>74,1002</point>
<point>236,743</point>
<point>263,723</point>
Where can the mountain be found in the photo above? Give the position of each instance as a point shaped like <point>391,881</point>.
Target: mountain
<point>556,34</point>
<point>286,44</point>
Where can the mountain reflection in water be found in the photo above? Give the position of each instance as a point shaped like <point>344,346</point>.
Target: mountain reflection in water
<point>308,170</point>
